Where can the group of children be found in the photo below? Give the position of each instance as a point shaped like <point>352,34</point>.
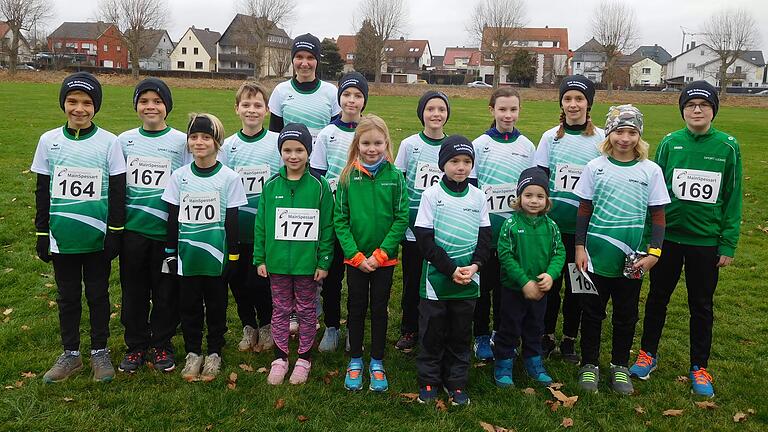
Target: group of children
<point>282,215</point>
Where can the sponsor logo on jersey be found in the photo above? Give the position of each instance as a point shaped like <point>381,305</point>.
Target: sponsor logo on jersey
<point>677,148</point>
<point>130,142</point>
<point>640,182</point>
<point>599,172</point>
<point>486,149</point>
<point>470,210</point>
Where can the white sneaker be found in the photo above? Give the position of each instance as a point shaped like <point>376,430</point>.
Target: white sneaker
<point>266,342</point>
<point>248,342</point>
<point>191,371</point>
<point>211,368</point>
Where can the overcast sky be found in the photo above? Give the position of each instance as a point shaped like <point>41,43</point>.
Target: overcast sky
<point>443,22</point>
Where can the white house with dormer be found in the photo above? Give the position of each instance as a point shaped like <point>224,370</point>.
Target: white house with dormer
<point>196,51</point>
<point>700,62</point>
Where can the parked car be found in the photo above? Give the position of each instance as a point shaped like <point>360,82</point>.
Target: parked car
<point>762,93</point>
<point>25,67</point>
<point>670,90</point>
<point>420,81</point>
<point>479,84</point>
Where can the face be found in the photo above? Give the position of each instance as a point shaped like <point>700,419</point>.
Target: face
<point>294,155</point>
<point>352,101</point>
<point>698,114</point>
<point>304,65</point>
<point>533,200</point>
<point>435,113</point>
<point>151,108</point>
<point>372,145</point>
<point>458,168</point>
<point>201,145</point>
<point>575,106</point>
<point>252,109</point>
<point>79,109</point>
<point>623,141</point>
<point>506,111</point>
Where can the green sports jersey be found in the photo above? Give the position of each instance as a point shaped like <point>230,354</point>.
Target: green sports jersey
<point>255,159</point>
<point>150,159</point>
<point>314,109</point>
<point>566,158</point>
<point>621,193</point>
<point>417,158</point>
<point>456,218</point>
<point>203,200</point>
<point>330,152</point>
<point>498,164</point>
<point>79,168</point>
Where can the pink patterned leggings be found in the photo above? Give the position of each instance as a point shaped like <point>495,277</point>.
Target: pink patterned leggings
<point>289,293</point>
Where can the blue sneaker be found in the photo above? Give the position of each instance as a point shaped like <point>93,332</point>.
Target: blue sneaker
<point>644,365</point>
<point>502,372</point>
<point>379,381</point>
<point>353,380</point>
<point>701,382</point>
<point>458,397</point>
<point>535,368</point>
<point>427,393</point>
<point>483,350</point>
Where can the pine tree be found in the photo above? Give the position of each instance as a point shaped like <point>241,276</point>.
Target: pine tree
<point>331,63</point>
<point>367,47</point>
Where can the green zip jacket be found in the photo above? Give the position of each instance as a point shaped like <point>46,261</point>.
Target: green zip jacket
<point>371,212</point>
<point>529,246</point>
<point>701,213</point>
<point>283,230</point>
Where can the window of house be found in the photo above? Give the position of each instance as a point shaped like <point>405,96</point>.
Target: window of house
<point>691,66</point>
<point>578,65</point>
<point>118,48</point>
<point>738,69</point>
<point>105,48</point>
<point>250,66</point>
<point>198,65</point>
<point>183,50</point>
<point>541,43</point>
<point>180,65</point>
<point>646,71</point>
<point>750,84</point>
<point>350,56</point>
<point>159,65</point>
<point>195,50</point>
<point>233,65</point>
<point>701,52</point>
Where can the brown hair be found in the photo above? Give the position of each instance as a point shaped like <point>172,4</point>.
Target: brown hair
<point>251,88</point>
<point>218,128</point>
<point>589,131</point>
<point>503,92</point>
<point>517,207</point>
<point>368,123</point>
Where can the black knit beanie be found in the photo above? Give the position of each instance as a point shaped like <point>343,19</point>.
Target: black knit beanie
<point>155,85</point>
<point>356,80</point>
<point>579,83</point>
<point>453,146</point>
<point>297,132</point>
<point>700,90</point>
<point>426,97</point>
<point>306,42</point>
<point>85,82</point>
<point>533,176</point>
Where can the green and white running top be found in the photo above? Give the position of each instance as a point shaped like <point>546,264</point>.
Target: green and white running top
<point>456,218</point>
<point>417,157</point>
<point>79,168</point>
<point>203,200</point>
<point>150,159</point>
<point>330,152</point>
<point>621,193</point>
<point>566,158</point>
<point>314,109</point>
<point>498,164</point>
<point>255,160</point>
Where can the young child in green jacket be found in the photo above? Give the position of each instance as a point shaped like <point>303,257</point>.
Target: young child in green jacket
<point>293,246</point>
<point>371,217</point>
<point>531,255</point>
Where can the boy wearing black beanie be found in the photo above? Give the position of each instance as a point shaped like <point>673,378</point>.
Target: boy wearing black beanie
<point>702,170</point>
<point>152,152</point>
<point>80,166</point>
<point>453,233</point>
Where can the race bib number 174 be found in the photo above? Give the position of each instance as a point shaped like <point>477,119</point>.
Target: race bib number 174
<point>76,183</point>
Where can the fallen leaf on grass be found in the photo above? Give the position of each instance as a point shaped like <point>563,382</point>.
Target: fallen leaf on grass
<point>302,418</point>
<point>242,410</point>
<point>553,405</point>
<point>18,384</point>
<point>246,367</point>
<point>51,303</point>
<point>567,401</point>
<point>25,327</point>
<point>683,379</point>
<point>49,285</point>
<point>493,428</point>
<point>9,387</point>
<point>8,270</point>
<point>529,391</point>
<point>279,404</point>
<point>739,417</point>
<point>410,397</point>
<point>232,381</point>
<point>8,311</point>
<point>69,399</point>
<point>672,413</point>
<point>209,427</point>
<point>117,305</point>
<point>28,374</point>
<point>639,410</point>
<point>113,315</point>
<point>556,385</point>
<point>261,370</point>
<point>329,376</point>
<point>6,319</point>
<point>25,172</point>
<point>480,364</point>
<point>440,405</point>
<point>342,322</point>
<point>567,422</point>
<point>751,411</point>
<point>707,405</point>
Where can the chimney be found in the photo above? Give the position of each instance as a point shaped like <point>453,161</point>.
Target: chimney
<point>693,44</point>
<point>207,29</point>
<point>402,38</point>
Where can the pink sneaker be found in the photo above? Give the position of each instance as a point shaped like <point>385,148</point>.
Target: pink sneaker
<point>277,372</point>
<point>300,371</point>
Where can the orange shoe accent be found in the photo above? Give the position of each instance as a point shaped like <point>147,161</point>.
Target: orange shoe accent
<point>702,377</point>
<point>354,373</point>
<point>643,359</point>
<point>379,375</point>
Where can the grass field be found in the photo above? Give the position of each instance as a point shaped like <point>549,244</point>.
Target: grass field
<point>29,338</point>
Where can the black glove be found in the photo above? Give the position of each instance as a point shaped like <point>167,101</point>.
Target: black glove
<point>42,248</point>
<point>170,263</point>
<point>113,242</point>
<point>230,270</point>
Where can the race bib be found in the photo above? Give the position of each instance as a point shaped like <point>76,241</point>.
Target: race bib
<point>253,178</point>
<point>333,182</point>
<point>148,172</point>
<point>427,174</point>
<point>580,281</point>
<point>200,208</point>
<point>500,197</point>
<point>298,224</point>
<point>76,183</point>
<point>696,185</point>
<point>566,176</point>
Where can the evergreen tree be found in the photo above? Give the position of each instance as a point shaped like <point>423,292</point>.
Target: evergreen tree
<point>367,46</point>
<point>331,63</point>
<point>522,69</point>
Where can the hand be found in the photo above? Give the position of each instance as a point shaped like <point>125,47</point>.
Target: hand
<point>724,261</point>
<point>373,263</point>
<point>113,242</point>
<point>458,276</point>
<point>581,258</point>
<point>646,262</point>
<point>467,272</point>
<point>261,270</point>
<point>531,291</point>
<point>545,282</point>
<point>320,275</point>
<point>42,248</point>
<point>365,267</point>
<point>170,264</point>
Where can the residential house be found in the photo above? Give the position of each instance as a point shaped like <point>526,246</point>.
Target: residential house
<point>196,51</point>
<point>700,62</point>
<point>590,60</point>
<point>406,56</point>
<point>234,46</point>
<point>347,45</point>
<point>24,54</point>
<point>549,46</point>
<point>460,59</point>
<point>653,52</point>
<point>154,50</point>
<point>95,43</point>
<point>634,70</point>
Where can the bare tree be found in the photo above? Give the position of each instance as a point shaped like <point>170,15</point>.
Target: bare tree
<point>614,26</point>
<point>280,62</point>
<point>22,15</point>
<point>494,25</point>
<point>730,33</point>
<point>268,15</point>
<point>136,19</point>
<point>388,18</point>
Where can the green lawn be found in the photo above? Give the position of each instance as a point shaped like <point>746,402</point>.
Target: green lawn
<point>29,340</point>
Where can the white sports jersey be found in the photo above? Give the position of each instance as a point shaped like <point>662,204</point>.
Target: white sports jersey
<point>330,152</point>
<point>314,109</point>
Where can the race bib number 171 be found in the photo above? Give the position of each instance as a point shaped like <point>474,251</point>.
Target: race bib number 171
<point>253,178</point>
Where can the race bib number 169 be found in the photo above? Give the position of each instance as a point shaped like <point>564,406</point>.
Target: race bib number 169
<point>696,185</point>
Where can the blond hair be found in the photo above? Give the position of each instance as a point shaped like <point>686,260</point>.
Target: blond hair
<point>640,150</point>
<point>517,206</point>
<point>251,88</point>
<point>218,127</point>
<point>369,123</point>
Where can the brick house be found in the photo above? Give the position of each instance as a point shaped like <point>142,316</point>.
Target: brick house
<point>100,43</point>
<point>549,47</point>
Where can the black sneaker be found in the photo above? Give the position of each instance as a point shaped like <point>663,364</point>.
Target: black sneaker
<point>547,345</point>
<point>406,343</point>
<point>163,360</point>
<point>458,397</point>
<point>131,362</point>
<point>568,350</point>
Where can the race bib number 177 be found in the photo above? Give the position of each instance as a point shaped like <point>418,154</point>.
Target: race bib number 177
<point>298,224</point>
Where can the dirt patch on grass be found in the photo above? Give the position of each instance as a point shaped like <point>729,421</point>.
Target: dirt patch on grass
<point>414,90</point>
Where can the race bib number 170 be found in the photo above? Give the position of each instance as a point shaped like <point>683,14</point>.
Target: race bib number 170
<point>696,185</point>
<point>76,183</point>
<point>298,224</point>
<point>200,208</point>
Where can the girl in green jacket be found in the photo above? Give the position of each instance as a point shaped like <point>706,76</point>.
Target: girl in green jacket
<point>371,216</point>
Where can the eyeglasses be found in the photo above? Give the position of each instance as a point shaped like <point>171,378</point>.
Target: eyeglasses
<point>703,106</point>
